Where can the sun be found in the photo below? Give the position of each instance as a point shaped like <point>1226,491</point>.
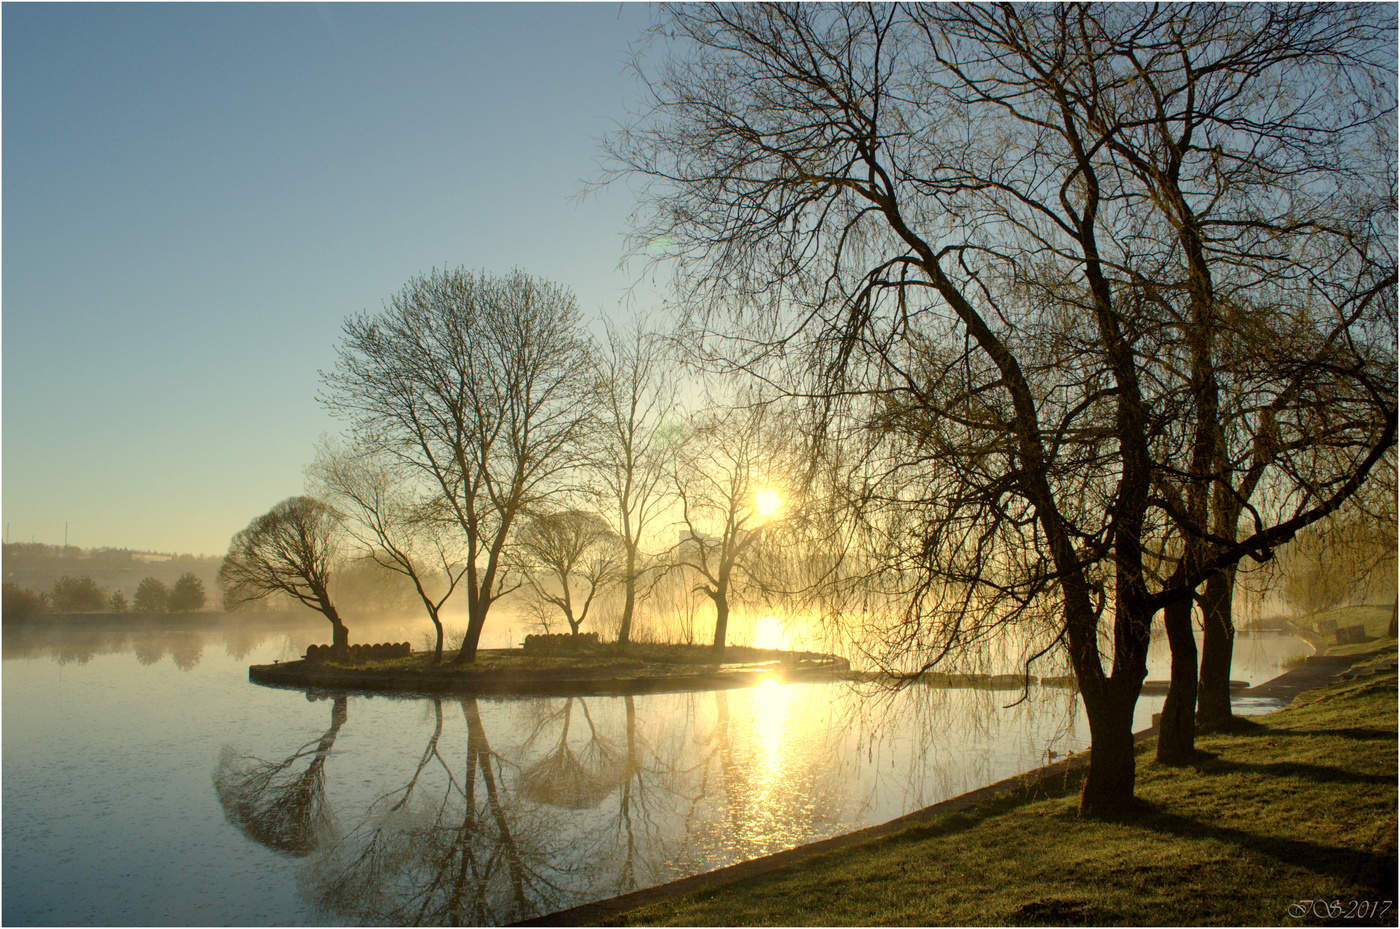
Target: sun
<point>767,502</point>
<point>768,633</point>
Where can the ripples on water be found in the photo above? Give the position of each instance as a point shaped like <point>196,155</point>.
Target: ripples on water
<point>147,782</point>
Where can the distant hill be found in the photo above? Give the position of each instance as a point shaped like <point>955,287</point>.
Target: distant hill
<point>37,566</point>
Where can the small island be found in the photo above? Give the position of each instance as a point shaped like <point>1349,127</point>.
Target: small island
<point>588,668</point>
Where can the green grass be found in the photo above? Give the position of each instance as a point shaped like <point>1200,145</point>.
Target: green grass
<point>1297,805</point>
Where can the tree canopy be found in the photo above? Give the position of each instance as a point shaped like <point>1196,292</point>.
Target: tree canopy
<point>1027,258</point>
<point>481,386</point>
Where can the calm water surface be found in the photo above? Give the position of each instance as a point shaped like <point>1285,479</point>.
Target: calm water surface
<point>145,781</point>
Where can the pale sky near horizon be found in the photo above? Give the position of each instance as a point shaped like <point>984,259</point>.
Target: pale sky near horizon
<point>196,196</point>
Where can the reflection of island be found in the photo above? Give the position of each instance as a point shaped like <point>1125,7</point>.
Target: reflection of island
<point>581,809</point>
<point>461,854</point>
<point>281,804</point>
<point>514,809</point>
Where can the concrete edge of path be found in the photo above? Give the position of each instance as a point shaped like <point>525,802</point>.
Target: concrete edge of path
<point>1316,671</point>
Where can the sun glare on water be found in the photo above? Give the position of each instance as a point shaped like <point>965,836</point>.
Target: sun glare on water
<point>771,700</point>
<point>767,502</point>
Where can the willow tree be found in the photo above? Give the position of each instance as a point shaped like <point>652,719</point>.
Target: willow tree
<point>481,386</point>
<point>291,549</point>
<point>938,209</point>
<point>568,557</point>
<point>1259,146</point>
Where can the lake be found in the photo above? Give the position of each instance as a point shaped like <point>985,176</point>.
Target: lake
<point>145,781</point>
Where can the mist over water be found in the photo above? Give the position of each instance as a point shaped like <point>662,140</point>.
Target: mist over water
<point>147,782</point>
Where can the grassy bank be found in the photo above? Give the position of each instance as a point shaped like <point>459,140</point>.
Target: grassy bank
<point>1296,806</point>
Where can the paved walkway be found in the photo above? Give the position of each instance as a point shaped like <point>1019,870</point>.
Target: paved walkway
<point>1317,671</point>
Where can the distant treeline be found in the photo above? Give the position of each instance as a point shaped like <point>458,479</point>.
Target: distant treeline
<point>81,594</point>
<point>53,579</point>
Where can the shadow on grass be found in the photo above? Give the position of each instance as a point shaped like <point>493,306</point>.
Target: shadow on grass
<point>1375,871</point>
<point>1055,911</point>
<point>1345,732</point>
<point>1235,725</point>
<point>1320,774</point>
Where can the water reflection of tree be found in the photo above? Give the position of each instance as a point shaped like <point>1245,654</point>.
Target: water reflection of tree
<point>635,804</point>
<point>467,857</point>
<point>281,804</point>
<point>186,648</point>
<point>647,789</point>
<point>80,642</point>
<point>568,778</point>
<point>149,649</point>
<point>628,846</point>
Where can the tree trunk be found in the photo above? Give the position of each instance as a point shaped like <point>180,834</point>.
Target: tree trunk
<point>1217,651</point>
<point>437,645</point>
<point>475,622</point>
<point>1108,790</point>
<point>1176,738</point>
<point>721,620</point>
<point>629,597</point>
<point>340,636</point>
<point>1109,702</point>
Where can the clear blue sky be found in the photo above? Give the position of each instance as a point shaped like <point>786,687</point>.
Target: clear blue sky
<point>196,196</point>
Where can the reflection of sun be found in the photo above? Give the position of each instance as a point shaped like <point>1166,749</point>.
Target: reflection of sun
<point>771,700</point>
<point>768,633</point>
<point>767,502</point>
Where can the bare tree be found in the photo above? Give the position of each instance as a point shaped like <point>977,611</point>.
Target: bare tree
<point>635,443</point>
<point>719,473</point>
<point>401,531</point>
<point>1268,285</point>
<point>937,209</point>
<point>567,558</point>
<point>483,386</point>
<point>290,550</point>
